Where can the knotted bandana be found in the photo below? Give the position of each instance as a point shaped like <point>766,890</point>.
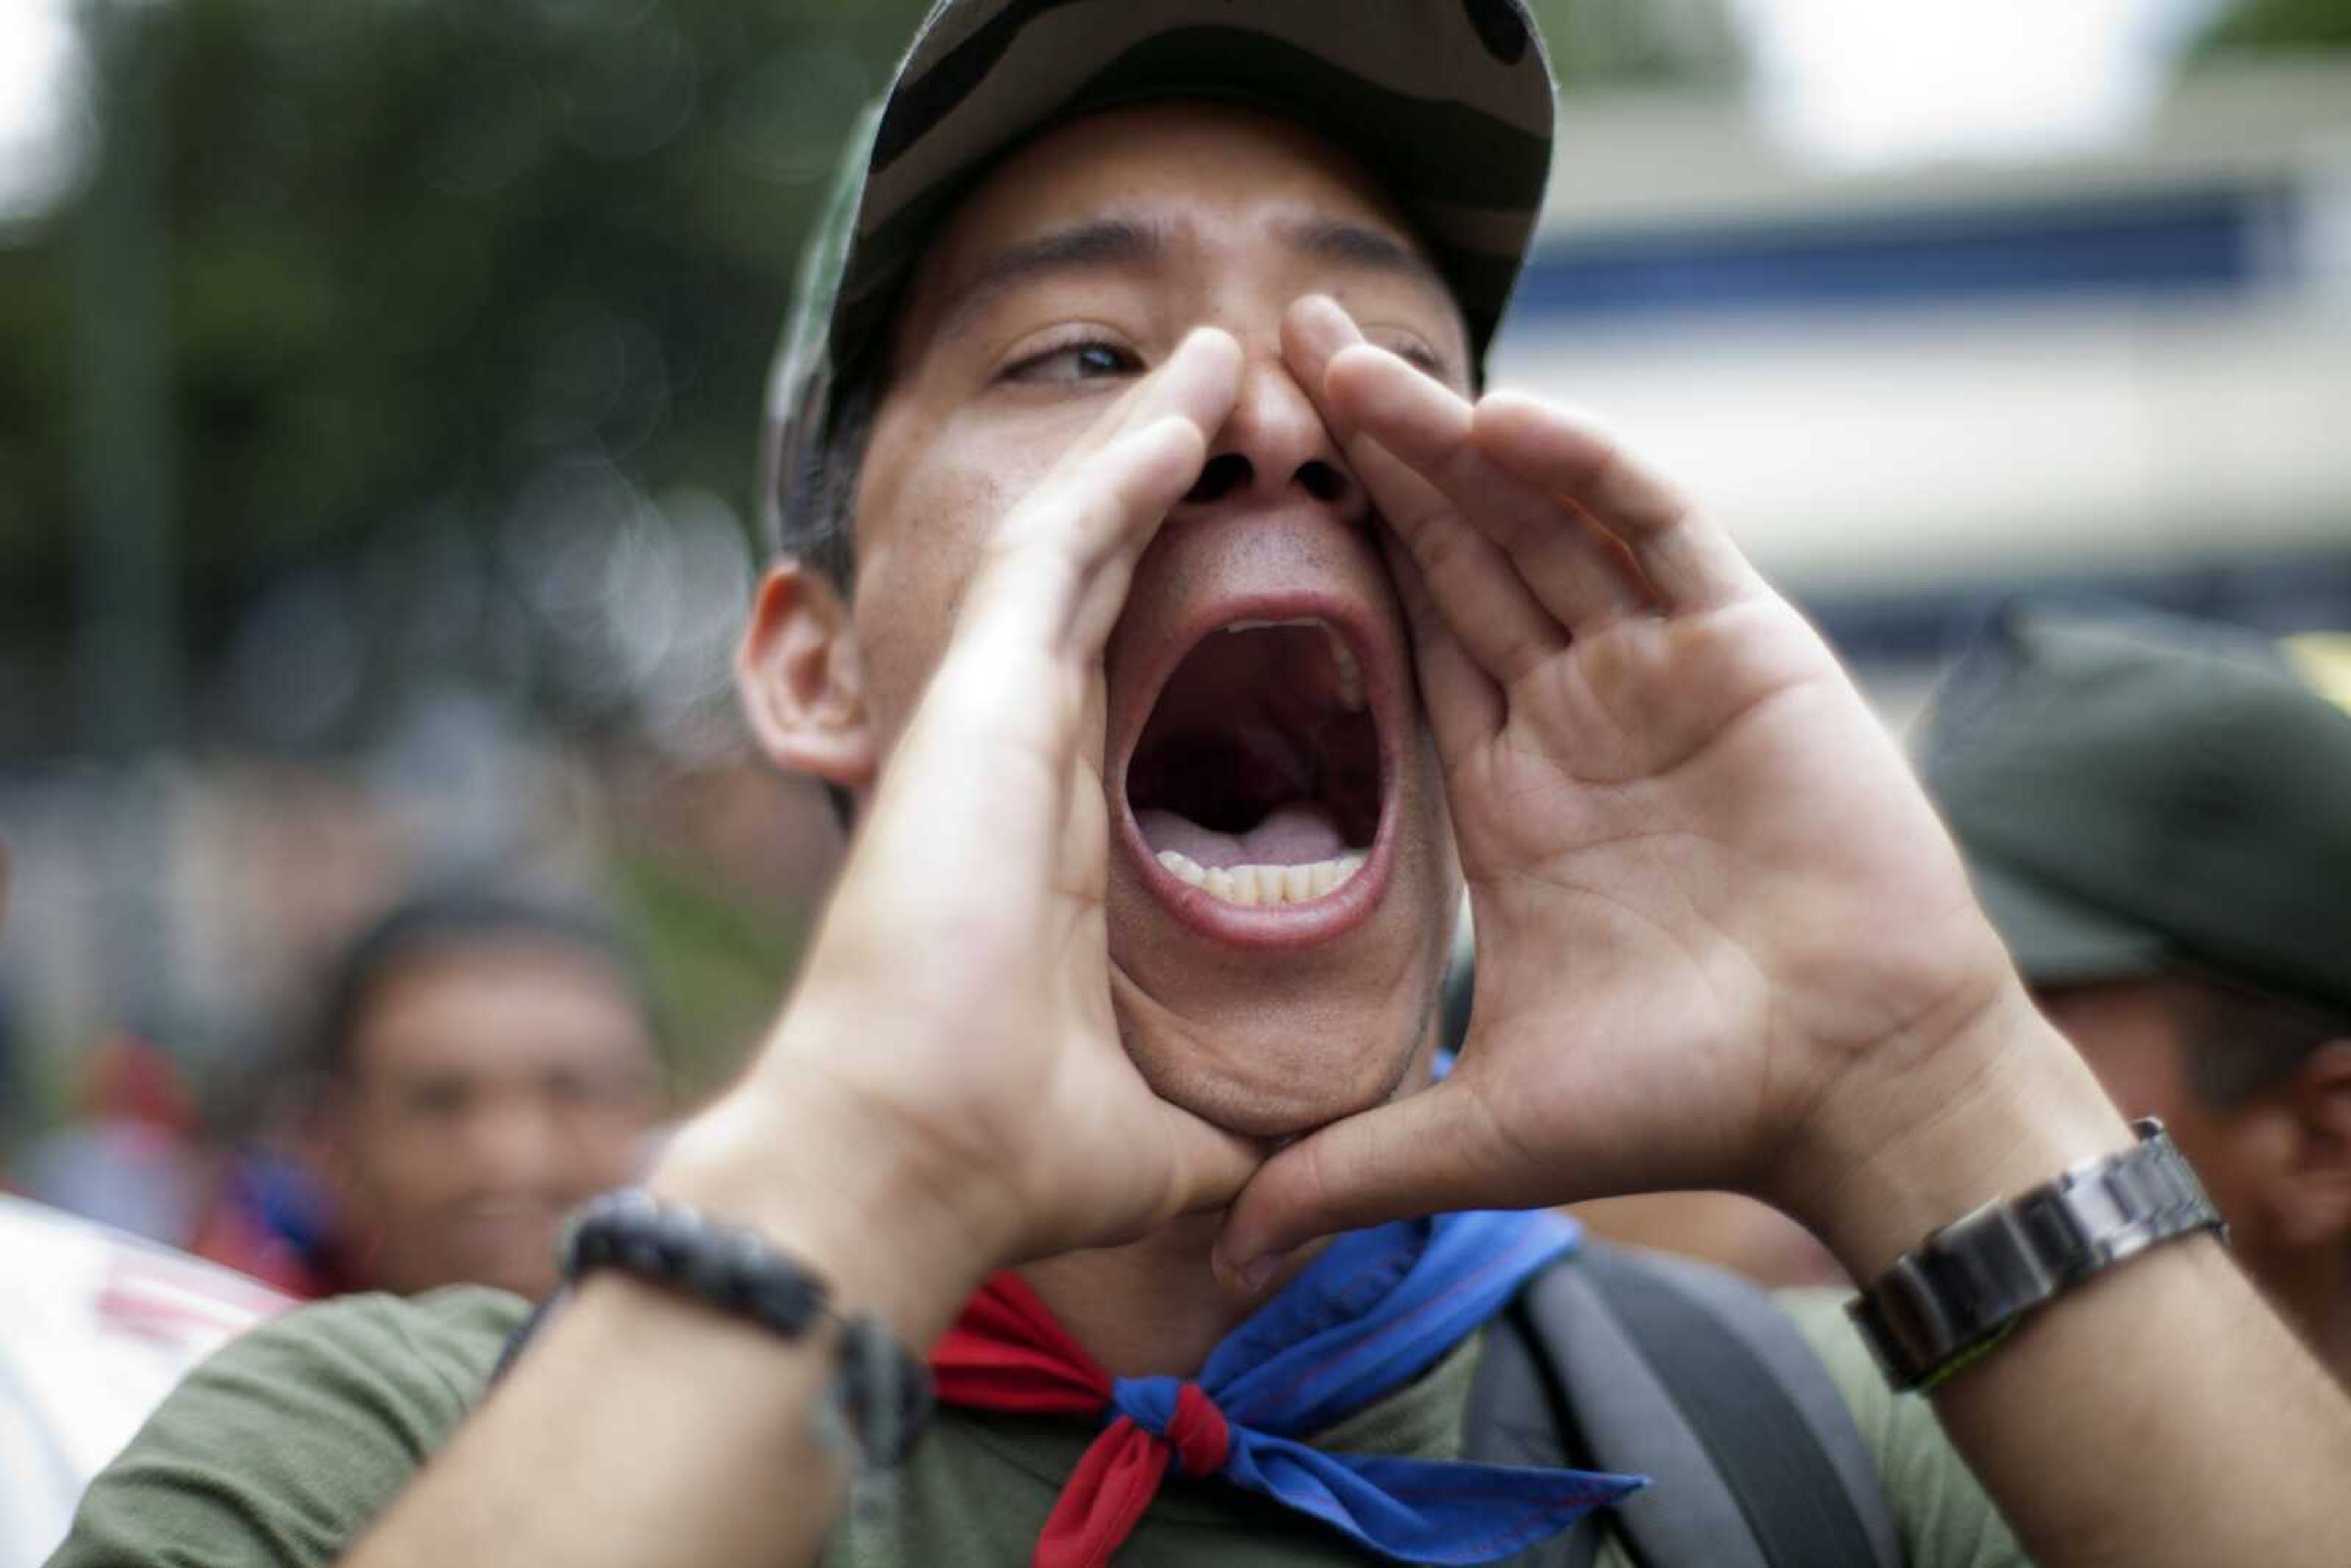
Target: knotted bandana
<point>1374,1311</point>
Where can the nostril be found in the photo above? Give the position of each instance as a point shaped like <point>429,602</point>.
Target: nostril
<point>1225,473</point>
<point>1321,481</point>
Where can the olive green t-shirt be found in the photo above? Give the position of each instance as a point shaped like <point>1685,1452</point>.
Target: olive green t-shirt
<point>283,1447</point>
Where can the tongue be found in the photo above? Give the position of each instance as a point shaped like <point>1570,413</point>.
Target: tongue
<point>1296,833</point>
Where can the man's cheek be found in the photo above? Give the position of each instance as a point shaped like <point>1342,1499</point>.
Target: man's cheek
<point>1440,813</point>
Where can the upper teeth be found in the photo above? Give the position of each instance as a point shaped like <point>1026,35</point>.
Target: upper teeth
<point>1265,885</point>
<point>1351,673</point>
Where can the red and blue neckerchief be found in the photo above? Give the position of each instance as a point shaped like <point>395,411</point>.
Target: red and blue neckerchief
<point>1378,1308</point>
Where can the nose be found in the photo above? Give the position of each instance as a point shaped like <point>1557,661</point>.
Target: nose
<point>1274,448</point>
<point>512,1143</point>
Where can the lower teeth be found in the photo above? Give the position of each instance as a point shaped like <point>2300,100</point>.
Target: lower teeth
<point>1261,886</point>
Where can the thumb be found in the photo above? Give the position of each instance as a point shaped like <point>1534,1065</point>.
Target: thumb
<point>1402,1159</point>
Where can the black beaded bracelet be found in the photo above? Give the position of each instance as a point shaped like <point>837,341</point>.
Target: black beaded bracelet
<point>882,1394</point>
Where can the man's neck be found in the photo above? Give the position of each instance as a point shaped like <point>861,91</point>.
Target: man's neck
<point>1153,1307</point>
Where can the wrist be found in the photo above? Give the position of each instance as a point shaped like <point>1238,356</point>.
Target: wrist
<point>1996,1106</point>
<point>1960,1295</point>
<point>827,1177</point>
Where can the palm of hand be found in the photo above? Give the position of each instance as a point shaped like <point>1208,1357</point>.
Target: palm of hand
<point>972,907</point>
<point>1705,883</point>
<point>1002,1008</point>
<point>1680,845</point>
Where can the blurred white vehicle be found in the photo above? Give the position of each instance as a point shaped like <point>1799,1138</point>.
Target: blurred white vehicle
<point>95,1328</point>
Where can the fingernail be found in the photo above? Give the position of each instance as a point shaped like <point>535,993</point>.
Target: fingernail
<point>1326,320</point>
<point>1326,306</point>
<point>1254,1274</point>
<point>1200,337</point>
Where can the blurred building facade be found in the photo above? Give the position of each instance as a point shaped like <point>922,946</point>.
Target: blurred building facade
<point>1915,393</point>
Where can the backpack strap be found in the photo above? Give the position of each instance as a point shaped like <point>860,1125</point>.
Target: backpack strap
<point>1515,1418</point>
<point>1697,1380</point>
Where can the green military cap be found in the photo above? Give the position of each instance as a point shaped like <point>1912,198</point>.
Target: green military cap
<point>1447,102</point>
<point>2136,794</point>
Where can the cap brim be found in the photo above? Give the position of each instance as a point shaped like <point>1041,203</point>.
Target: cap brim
<point>1449,106</point>
<point>2058,939</point>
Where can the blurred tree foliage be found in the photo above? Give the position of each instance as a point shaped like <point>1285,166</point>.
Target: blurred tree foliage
<point>1643,43</point>
<point>2276,26</point>
<point>418,250</point>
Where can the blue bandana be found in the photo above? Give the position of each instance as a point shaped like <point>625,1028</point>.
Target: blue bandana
<point>1374,1311</point>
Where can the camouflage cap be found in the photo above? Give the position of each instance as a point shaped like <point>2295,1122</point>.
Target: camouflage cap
<point>2136,794</point>
<point>1447,102</point>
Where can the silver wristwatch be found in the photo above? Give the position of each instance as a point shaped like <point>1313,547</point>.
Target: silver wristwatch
<point>1961,1291</point>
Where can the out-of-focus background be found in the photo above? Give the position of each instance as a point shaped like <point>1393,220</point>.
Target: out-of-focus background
<point>379,384</point>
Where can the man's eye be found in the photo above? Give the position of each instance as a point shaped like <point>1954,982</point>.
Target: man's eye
<point>438,1100</point>
<point>1075,362</point>
<point>1421,357</point>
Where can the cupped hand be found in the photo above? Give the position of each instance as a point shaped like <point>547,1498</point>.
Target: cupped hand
<point>955,1009</point>
<point>1720,934</point>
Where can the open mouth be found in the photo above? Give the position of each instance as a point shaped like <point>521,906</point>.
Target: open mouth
<point>1257,777</point>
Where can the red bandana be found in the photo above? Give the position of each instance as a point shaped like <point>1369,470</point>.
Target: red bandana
<point>1374,1311</point>
<point>1007,1353</point>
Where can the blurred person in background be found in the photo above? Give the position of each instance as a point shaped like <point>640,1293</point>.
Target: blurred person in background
<point>2157,813</point>
<point>480,1064</point>
<point>129,1155</point>
<point>96,1326</point>
<point>2154,811</point>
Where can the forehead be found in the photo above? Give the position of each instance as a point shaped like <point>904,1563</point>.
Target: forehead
<point>468,1004</point>
<point>1197,173</point>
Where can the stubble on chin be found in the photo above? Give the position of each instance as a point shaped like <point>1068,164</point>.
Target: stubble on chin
<point>1279,1101</point>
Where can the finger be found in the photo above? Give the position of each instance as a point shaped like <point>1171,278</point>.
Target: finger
<point>1008,703</point>
<point>1208,1165</point>
<point>1689,560</point>
<point>1463,705</point>
<point>1314,331</point>
<point>1001,731</point>
<point>1052,581</point>
<point>1198,386</point>
<point>1183,404</point>
<point>1101,504</point>
<point>1578,573</point>
<point>1200,381</point>
<point>1470,579</point>
<point>1399,1160</point>
<point>1168,459</point>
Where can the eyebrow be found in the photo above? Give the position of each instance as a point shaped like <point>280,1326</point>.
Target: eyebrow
<point>1097,245</point>
<point>1363,249</point>
<point>1109,243</point>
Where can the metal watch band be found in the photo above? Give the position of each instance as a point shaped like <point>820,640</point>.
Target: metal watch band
<point>1941,1306</point>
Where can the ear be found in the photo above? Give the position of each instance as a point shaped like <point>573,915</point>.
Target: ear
<point>797,676</point>
<point>2314,1206</point>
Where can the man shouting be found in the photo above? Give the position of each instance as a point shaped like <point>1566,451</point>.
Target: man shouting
<point>1186,629</point>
